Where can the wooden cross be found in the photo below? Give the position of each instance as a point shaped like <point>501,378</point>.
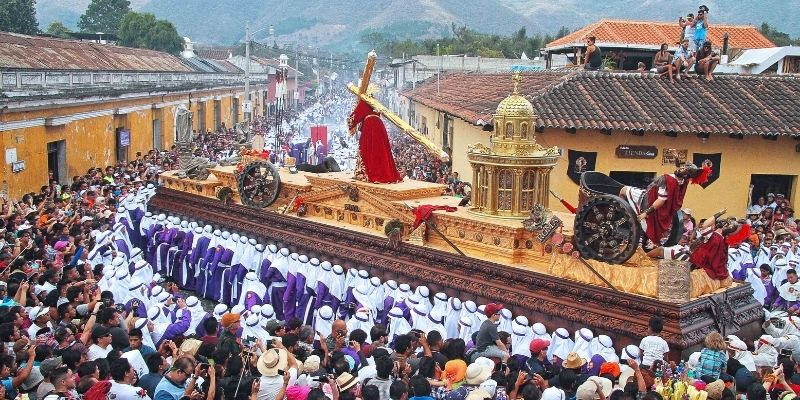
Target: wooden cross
<point>361,93</point>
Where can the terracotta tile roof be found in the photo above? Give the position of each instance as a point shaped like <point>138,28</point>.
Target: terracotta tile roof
<point>32,52</point>
<point>627,101</point>
<point>653,33</point>
<point>214,53</point>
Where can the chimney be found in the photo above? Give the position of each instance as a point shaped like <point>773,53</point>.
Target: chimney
<point>725,44</point>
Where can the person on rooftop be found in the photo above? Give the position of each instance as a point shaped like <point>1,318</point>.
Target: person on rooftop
<point>707,61</point>
<point>594,56</point>
<point>683,59</point>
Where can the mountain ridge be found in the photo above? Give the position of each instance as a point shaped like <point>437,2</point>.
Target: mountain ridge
<point>340,23</point>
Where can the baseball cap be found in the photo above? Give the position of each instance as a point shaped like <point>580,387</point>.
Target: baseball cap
<point>492,309</point>
<point>539,345</point>
<point>100,331</point>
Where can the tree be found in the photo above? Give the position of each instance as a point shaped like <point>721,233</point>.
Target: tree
<point>58,29</point>
<point>779,38</point>
<point>144,31</point>
<point>104,16</point>
<point>19,16</point>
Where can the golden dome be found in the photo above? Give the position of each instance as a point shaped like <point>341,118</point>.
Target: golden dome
<point>515,105</point>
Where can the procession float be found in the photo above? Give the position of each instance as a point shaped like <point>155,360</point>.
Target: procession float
<point>591,268</point>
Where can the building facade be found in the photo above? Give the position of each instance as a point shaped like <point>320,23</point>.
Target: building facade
<point>629,126</point>
<point>63,112</point>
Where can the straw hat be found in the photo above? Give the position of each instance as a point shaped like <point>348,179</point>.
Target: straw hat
<point>574,361</point>
<point>271,361</point>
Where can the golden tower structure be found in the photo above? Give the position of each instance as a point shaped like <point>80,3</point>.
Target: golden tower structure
<point>513,174</point>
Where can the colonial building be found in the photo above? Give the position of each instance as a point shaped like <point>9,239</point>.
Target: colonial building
<point>629,126</point>
<point>70,105</point>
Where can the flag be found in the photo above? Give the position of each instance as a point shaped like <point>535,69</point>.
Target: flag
<point>580,162</point>
<point>711,160</point>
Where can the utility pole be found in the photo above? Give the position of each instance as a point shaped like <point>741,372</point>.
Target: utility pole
<point>247,106</point>
<point>439,72</point>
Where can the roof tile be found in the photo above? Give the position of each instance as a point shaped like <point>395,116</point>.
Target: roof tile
<point>627,101</point>
<point>654,33</point>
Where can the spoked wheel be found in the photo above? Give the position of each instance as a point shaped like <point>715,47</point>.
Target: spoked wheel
<point>606,229</point>
<point>259,184</point>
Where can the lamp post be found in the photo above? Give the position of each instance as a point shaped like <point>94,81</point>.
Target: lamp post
<point>247,105</point>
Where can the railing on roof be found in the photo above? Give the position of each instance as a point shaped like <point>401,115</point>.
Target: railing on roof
<point>50,79</point>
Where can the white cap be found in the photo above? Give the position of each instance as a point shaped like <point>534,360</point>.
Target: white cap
<point>184,224</point>
<point>192,301</point>
<point>237,309</point>
<point>326,265</point>
<point>302,258</point>
<point>217,232</point>
<point>284,252</point>
<point>375,281</point>
<point>267,311</point>
<point>220,309</point>
<point>314,262</point>
<point>441,296</point>
<point>251,320</point>
<point>135,284</point>
<point>208,229</point>
<point>423,291</point>
<point>140,323</point>
<point>252,241</point>
<point>363,273</point>
<point>338,270</point>
<point>198,230</point>
<point>251,276</point>
<point>153,312</point>
<point>326,313</point>
<point>226,235</point>
<point>235,237</point>
<point>294,256</point>
<point>273,249</point>
<point>259,247</point>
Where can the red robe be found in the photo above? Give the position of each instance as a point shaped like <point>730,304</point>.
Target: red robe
<point>659,222</point>
<point>712,257</point>
<point>373,146</point>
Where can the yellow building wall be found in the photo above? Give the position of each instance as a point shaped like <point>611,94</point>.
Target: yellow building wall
<point>91,142</point>
<point>740,159</point>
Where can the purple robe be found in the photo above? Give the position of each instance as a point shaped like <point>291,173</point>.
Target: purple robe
<point>388,303</point>
<point>290,296</point>
<point>140,309</point>
<point>201,270</point>
<point>179,327</point>
<point>325,298</point>
<point>304,297</point>
<point>276,286</point>
<point>235,281</point>
<point>180,262</point>
<point>122,247</point>
<point>218,288</point>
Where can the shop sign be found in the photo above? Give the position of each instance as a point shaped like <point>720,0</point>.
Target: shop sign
<point>637,152</point>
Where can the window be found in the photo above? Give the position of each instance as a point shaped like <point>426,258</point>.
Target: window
<point>528,191</point>
<point>504,189</point>
<point>509,130</point>
<point>523,130</point>
<point>775,184</point>
<point>423,125</point>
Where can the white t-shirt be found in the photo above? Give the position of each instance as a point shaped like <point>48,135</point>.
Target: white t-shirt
<point>121,391</point>
<point>35,328</point>
<point>653,348</point>
<point>96,352</point>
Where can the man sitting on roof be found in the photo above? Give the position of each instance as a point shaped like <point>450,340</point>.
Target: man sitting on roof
<point>707,61</point>
<point>684,58</point>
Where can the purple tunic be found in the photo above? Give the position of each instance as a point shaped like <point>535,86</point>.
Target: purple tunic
<point>290,296</point>
<point>177,328</point>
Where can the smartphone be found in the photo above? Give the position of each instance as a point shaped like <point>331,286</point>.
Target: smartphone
<point>211,362</point>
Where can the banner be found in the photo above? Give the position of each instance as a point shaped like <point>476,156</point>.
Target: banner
<point>711,160</point>
<point>580,162</point>
<point>319,135</point>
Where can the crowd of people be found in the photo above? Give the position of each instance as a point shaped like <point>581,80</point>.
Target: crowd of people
<point>95,305</point>
<point>694,50</point>
<point>103,298</point>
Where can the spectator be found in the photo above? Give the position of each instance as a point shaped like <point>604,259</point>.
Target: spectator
<point>683,59</point>
<point>594,56</point>
<point>124,377</point>
<point>156,367</point>
<point>707,61</point>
